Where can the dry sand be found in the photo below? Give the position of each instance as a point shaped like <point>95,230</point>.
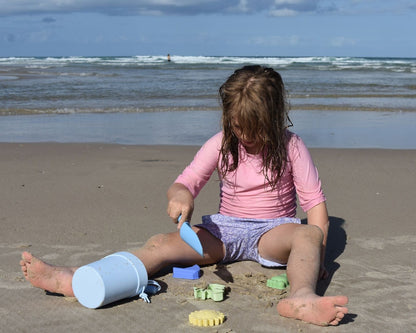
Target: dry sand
<point>72,204</point>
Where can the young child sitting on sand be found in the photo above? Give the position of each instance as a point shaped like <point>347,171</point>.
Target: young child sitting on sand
<point>262,166</point>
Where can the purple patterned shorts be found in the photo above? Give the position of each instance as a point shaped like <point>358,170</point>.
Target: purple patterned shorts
<point>240,236</point>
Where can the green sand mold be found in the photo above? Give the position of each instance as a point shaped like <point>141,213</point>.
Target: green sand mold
<point>214,291</point>
<point>278,282</point>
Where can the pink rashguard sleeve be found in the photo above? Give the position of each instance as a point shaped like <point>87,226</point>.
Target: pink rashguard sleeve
<point>197,174</point>
<point>305,175</point>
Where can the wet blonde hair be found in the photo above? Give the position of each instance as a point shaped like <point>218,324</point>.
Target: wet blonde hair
<point>255,98</point>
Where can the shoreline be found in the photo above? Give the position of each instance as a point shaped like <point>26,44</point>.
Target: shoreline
<point>75,203</point>
<point>319,129</point>
<point>7,112</point>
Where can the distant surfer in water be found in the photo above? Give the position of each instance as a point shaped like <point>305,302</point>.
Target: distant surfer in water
<point>168,57</point>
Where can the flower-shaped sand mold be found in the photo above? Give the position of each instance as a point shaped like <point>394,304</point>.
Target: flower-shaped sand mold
<point>206,318</point>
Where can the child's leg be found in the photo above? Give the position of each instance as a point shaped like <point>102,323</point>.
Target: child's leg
<point>167,249</point>
<point>299,246</point>
<point>158,252</point>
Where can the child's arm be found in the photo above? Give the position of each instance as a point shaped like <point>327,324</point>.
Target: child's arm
<point>180,201</point>
<point>318,215</point>
<point>187,185</point>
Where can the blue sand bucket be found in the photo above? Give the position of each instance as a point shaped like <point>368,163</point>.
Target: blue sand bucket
<point>115,277</point>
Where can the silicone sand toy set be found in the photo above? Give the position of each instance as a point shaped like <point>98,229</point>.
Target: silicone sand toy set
<point>123,275</point>
<point>98,284</point>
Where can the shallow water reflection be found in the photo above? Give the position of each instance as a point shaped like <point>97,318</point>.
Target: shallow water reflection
<point>323,129</point>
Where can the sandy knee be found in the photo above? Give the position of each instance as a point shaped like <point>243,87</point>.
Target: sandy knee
<point>311,232</point>
<point>157,242</point>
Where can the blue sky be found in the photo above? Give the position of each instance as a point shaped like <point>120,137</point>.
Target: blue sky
<point>374,28</point>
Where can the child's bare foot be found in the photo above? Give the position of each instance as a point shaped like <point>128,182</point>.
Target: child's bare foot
<point>42,275</point>
<point>322,311</point>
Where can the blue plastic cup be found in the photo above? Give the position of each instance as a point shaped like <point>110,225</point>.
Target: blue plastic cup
<point>115,277</point>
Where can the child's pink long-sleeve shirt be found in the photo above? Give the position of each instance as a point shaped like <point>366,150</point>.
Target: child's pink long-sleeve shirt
<point>245,192</point>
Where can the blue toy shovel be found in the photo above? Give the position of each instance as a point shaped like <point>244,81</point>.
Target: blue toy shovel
<point>190,237</point>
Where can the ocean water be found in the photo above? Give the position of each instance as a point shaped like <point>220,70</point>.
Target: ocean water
<point>335,101</point>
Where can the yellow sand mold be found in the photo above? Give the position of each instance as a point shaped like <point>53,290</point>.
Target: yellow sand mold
<point>206,318</point>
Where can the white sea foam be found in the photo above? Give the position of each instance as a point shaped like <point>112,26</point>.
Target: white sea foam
<point>325,62</point>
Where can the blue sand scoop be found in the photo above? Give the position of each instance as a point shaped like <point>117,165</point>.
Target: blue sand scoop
<point>190,237</point>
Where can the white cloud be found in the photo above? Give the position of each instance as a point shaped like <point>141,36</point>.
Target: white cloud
<point>367,7</point>
<point>300,3</point>
<point>285,2</point>
<point>194,7</point>
<point>293,7</point>
<point>342,41</point>
<point>275,40</point>
<point>283,12</point>
<point>243,6</point>
<point>121,7</point>
<point>144,7</point>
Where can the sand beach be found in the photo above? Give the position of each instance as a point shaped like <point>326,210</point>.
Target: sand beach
<point>72,204</point>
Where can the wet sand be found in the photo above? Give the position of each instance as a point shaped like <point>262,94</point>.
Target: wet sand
<point>72,204</point>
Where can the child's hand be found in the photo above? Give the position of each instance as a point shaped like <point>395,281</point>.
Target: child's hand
<point>180,202</point>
